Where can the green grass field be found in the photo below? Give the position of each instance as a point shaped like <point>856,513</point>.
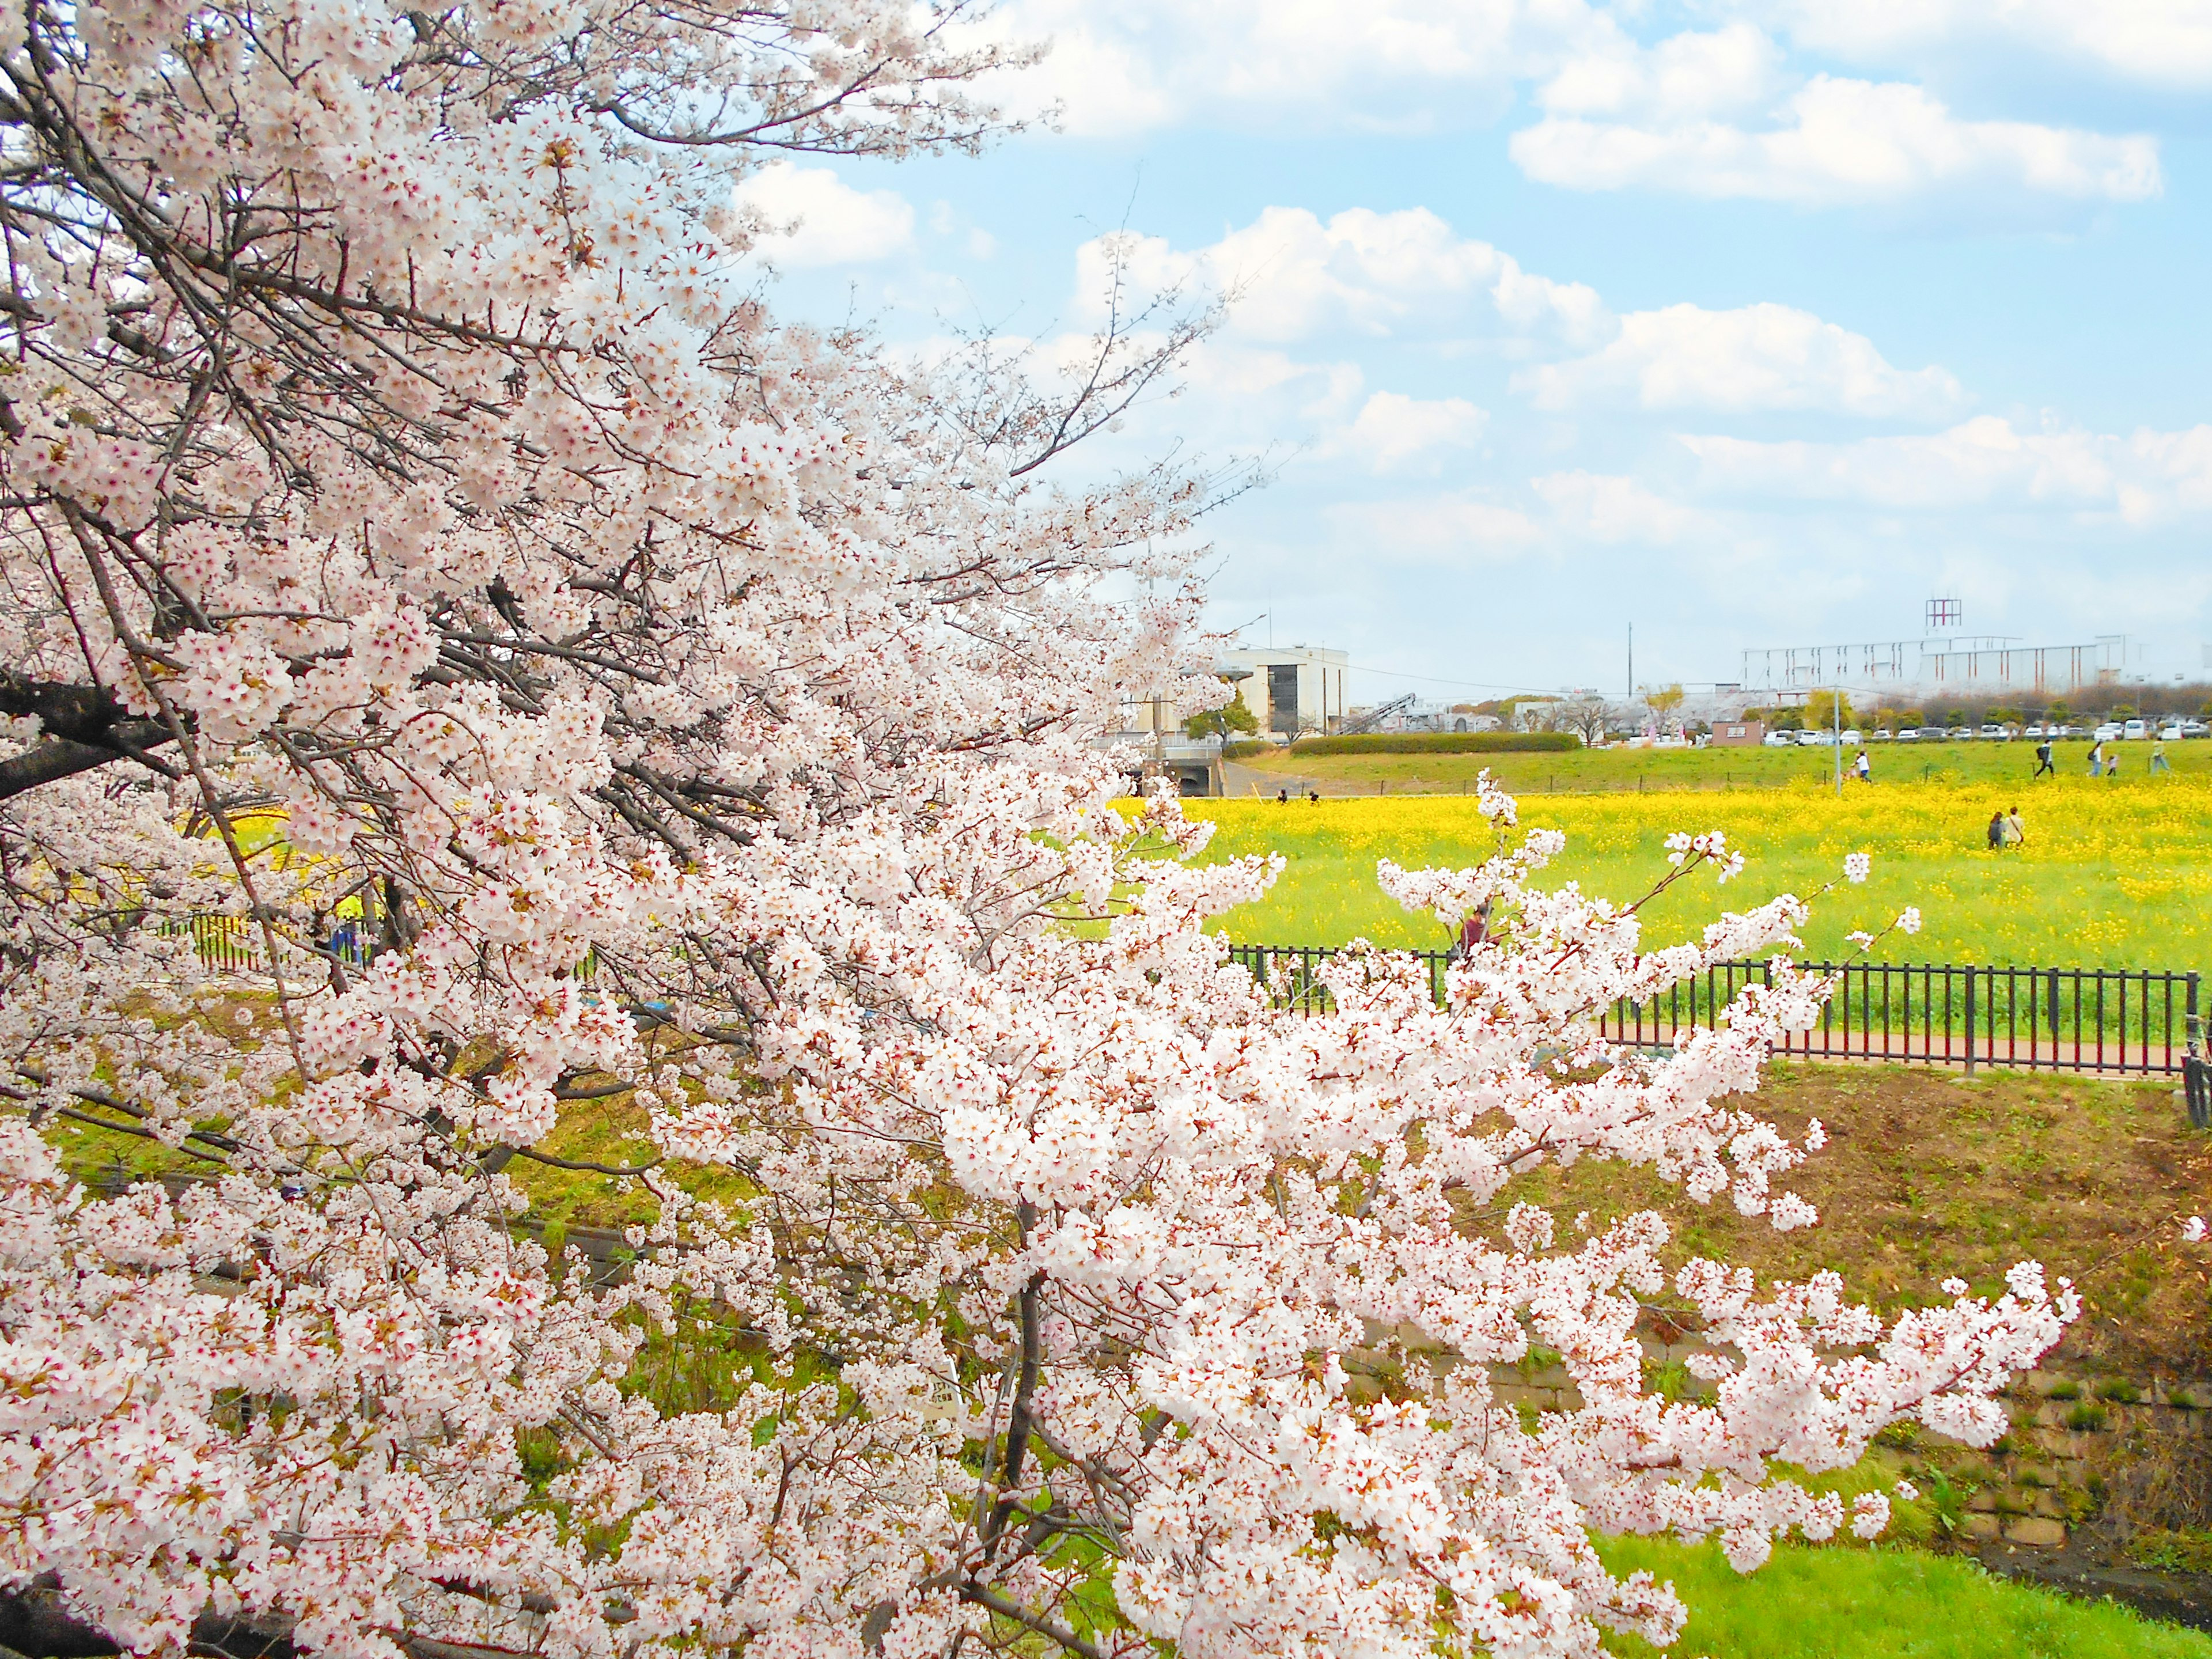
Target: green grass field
<point>1630,770</point>
<point>2113,874</point>
<point>1835,1603</point>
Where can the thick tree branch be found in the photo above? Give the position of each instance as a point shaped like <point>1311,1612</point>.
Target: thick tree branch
<point>84,728</point>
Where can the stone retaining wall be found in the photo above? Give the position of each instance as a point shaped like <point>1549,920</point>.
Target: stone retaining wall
<point>2073,1432</point>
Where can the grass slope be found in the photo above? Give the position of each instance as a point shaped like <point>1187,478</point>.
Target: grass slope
<point>1882,1604</point>
<point>2112,875</point>
<point>1604,770</point>
<point>1929,1173</point>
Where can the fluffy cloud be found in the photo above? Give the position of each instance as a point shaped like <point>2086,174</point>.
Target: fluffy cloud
<point>1754,357</point>
<point>1395,434</point>
<point>2142,479</point>
<point>1687,76</point>
<point>1288,276</point>
<point>1607,507</point>
<point>1841,142</point>
<point>2164,42</point>
<point>811,217</point>
<point>1394,64</point>
<point>1457,528</point>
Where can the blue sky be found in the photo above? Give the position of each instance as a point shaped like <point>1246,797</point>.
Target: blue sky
<point>1747,323</point>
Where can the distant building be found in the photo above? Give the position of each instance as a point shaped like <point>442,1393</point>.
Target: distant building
<point>1293,688</point>
<point>1739,734</point>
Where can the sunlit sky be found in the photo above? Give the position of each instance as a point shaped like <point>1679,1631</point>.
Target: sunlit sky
<point>1747,325</point>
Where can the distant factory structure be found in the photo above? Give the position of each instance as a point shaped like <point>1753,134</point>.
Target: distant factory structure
<point>1293,689</point>
<point>1939,658</point>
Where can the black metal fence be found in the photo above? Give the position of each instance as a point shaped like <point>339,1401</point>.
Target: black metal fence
<point>2133,1020</point>
<point>230,943</point>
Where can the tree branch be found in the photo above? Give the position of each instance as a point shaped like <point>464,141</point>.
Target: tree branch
<point>85,728</point>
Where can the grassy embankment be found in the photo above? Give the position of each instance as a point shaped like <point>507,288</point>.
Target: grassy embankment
<point>1606,770</point>
<point>2112,875</point>
<point>1882,1604</point>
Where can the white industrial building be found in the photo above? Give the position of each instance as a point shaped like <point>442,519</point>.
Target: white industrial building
<point>1292,689</point>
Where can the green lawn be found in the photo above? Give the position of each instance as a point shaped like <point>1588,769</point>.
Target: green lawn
<point>1609,769</point>
<point>1837,1603</point>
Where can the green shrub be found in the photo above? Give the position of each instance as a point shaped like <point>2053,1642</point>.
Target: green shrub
<point>2172,1552</point>
<point>2085,1420</point>
<point>1440,743</point>
<point>2067,1390</point>
<point>2120,1392</point>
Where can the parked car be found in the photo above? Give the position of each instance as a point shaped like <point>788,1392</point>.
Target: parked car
<point>2195,729</point>
<point>1932,734</point>
<point>1960,732</point>
<point>2035,731</point>
<point>1779,740</point>
<point>1814,737</point>
<point>1908,734</point>
<point>1993,733</point>
<point>1852,737</point>
<point>2169,734</point>
<point>2109,731</point>
<point>1880,734</point>
<point>2136,731</point>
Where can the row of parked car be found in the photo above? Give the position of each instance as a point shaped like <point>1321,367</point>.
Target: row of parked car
<point>2109,731</point>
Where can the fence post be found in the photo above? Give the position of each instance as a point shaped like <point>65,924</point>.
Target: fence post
<point>1969,1020</point>
<point>2196,1074</point>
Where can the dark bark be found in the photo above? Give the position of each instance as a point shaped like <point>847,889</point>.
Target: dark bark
<point>84,726</point>
<point>34,1625</point>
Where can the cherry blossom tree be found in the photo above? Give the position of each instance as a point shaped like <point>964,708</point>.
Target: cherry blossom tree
<point>412,507</point>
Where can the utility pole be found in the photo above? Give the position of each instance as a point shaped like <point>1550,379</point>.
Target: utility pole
<point>1835,698</point>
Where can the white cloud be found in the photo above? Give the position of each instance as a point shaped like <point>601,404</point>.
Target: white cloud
<point>1393,64</point>
<point>1395,434</point>
<point>1289,277</point>
<point>1460,528</point>
<point>1842,142</point>
<point>1688,76</point>
<point>1607,507</point>
<point>811,217</point>
<point>2164,42</point>
<point>1754,357</point>
<point>2146,479</point>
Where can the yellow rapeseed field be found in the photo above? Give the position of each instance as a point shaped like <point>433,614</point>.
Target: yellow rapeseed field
<point>2113,874</point>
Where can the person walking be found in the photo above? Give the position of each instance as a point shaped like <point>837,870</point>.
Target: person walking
<point>2015,828</point>
<point>2043,766</point>
<point>2158,760</point>
<point>1863,766</point>
<point>2112,764</point>
<point>1998,830</point>
<point>2097,758</point>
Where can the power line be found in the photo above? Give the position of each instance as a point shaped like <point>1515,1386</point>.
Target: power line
<point>1472,685</point>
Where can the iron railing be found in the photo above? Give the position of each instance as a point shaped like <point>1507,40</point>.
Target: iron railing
<point>230,943</point>
<point>2134,1020</point>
